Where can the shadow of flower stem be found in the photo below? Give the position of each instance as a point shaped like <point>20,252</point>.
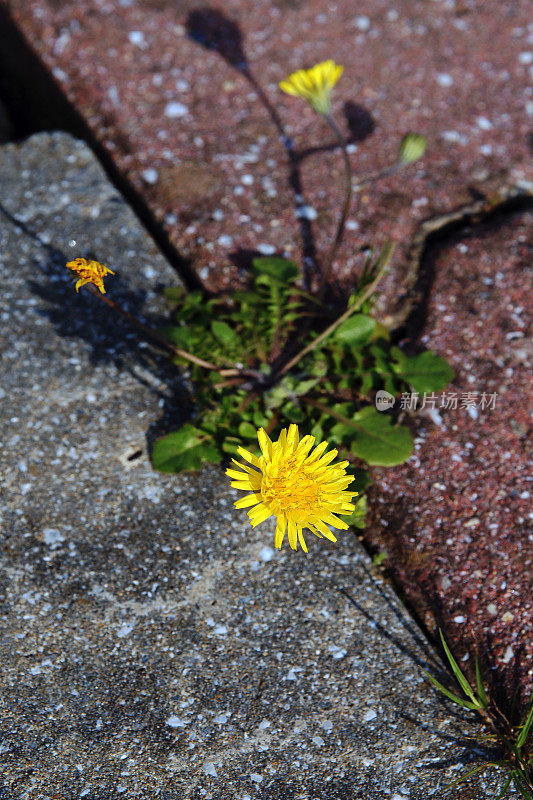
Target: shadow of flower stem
<point>157,339</point>
<point>326,268</point>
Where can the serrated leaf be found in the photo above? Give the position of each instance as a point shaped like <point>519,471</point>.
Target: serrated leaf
<point>185,449</point>
<point>355,331</point>
<point>278,269</point>
<point>225,335</point>
<point>426,372</point>
<point>375,439</point>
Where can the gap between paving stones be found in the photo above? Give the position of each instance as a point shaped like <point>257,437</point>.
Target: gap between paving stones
<point>107,695</point>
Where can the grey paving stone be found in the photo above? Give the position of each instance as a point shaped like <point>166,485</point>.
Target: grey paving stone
<point>153,645</point>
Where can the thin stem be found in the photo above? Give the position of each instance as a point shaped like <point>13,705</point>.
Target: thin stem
<point>151,334</point>
<point>385,173</point>
<point>326,269</point>
<point>370,289</point>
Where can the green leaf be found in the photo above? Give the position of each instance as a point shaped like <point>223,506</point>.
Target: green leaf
<point>247,430</point>
<point>379,558</point>
<point>355,330</point>
<point>279,269</point>
<point>357,518</point>
<point>175,293</point>
<point>480,688</point>
<point>375,439</point>
<point>180,335</point>
<point>465,686</point>
<point>185,449</point>
<point>505,787</point>
<point>225,335</point>
<point>426,372</point>
<point>465,775</point>
<point>521,785</point>
<point>450,695</point>
<point>525,730</point>
<point>412,148</point>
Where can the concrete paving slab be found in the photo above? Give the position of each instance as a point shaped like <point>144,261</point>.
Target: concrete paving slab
<point>153,645</point>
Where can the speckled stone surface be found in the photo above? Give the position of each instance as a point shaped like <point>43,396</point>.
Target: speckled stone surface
<point>164,88</point>
<point>153,645</point>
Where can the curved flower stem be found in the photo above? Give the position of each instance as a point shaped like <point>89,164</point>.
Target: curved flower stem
<point>370,289</point>
<point>385,173</point>
<point>326,269</point>
<point>151,334</point>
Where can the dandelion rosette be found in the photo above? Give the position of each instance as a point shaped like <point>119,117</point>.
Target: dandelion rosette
<point>298,485</point>
<point>314,85</point>
<point>89,272</point>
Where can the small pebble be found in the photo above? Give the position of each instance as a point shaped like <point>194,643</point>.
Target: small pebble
<point>175,110</point>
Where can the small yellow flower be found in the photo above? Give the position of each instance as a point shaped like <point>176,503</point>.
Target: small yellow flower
<point>301,488</point>
<point>314,85</point>
<point>89,272</point>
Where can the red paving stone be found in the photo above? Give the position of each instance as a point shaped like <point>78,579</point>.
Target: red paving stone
<point>185,126</point>
<point>456,519</point>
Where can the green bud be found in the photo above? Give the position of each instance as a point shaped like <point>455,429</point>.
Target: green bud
<point>412,148</point>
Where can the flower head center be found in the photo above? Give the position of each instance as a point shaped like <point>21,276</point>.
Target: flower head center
<point>289,489</point>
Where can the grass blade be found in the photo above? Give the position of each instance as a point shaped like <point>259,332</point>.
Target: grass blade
<point>525,730</point>
<point>505,787</point>
<point>465,686</point>
<point>451,695</point>
<point>480,688</point>
<point>521,785</point>
<point>465,775</point>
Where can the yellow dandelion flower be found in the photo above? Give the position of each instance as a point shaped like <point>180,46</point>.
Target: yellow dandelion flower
<point>89,272</point>
<point>314,85</point>
<point>303,489</point>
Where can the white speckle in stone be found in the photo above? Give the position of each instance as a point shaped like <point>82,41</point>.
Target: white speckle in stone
<point>264,725</point>
<point>182,85</point>
<point>209,769</point>
<point>351,148</point>
<point>397,796</point>
<point>220,630</point>
<point>459,619</point>
<point>255,777</point>
<point>150,175</point>
<point>336,651</point>
<point>306,212</point>
<point>525,495</point>
<point>508,655</point>
<point>362,22</point>
<point>137,38</point>
<point>35,670</point>
<point>392,15</point>
<point>52,536</point>
<point>58,73</point>
<point>150,273</point>
<point>367,762</point>
<point>454,136</point>
<point>204,273</point>
<point>125,630</point>
<point>318,740</point>
<point>225,240</point>
<point>492,608</point>
<point>171,219</point>
<point>369,715</point>
<point>266,249</point>
<point>484,123</point>
<point>113,95</point>
<point>326,726</point>
<point>266,554</point>
<point>352,225</point>
<point>218,215</point>
<point>157,79</point>
<point>485,149</point>
<point>444,79</point>
<point>508,617</point>
<point>473,412</point>
<point>175,722</point>
<point>221,719</point>
<point>175,110</point>
<point>247,179</point>
<point>525,57</point>
<point>238,190</point>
